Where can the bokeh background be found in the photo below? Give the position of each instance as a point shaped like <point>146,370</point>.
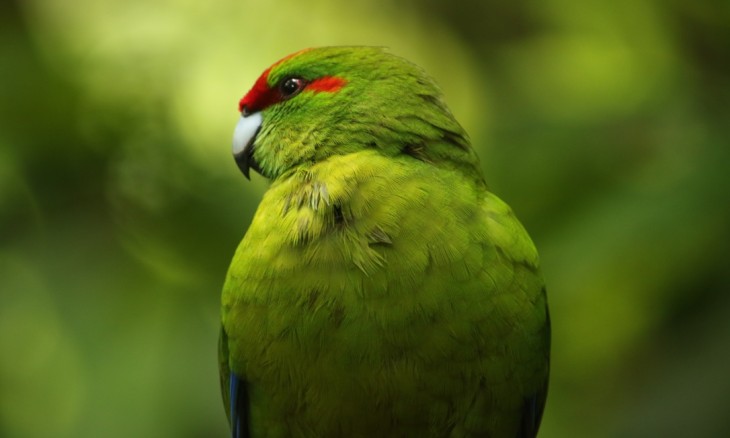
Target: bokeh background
<point>606,125</point>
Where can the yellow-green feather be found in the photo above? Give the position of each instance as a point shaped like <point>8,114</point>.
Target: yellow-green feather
<point>421,311</point>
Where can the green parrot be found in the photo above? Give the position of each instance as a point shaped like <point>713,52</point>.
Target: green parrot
<point>380,290</point>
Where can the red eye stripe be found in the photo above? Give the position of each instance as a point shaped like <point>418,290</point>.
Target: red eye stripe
<point>262,95</point>
<point>327,84</point>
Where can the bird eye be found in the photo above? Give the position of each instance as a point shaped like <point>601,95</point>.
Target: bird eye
<point>291,86</point>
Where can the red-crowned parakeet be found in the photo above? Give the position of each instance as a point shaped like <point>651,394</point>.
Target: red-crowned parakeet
<point>381,289</point>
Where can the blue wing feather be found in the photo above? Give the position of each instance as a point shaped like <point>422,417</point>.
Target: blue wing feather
<point>239,407</point>
<point>234,390</point>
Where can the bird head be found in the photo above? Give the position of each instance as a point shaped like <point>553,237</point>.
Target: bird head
<point>339,100</point>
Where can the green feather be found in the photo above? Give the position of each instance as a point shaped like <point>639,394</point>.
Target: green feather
<point>381,289</point>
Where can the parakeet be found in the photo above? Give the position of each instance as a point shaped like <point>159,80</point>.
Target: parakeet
<point>381,289</point>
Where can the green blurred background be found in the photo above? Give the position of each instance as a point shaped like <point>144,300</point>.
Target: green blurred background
<point>606,126</point>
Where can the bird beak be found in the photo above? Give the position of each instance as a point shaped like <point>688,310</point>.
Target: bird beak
<point>243,139</point>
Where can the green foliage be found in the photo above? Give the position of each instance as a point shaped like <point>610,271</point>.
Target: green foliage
<point>603,124</point>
